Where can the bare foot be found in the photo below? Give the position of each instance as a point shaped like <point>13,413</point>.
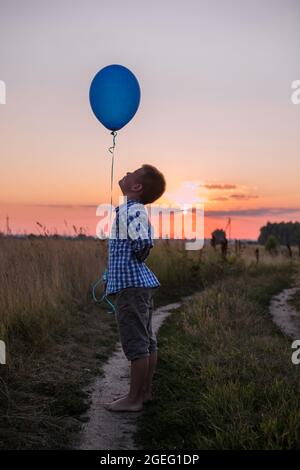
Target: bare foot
<point>123,404</point>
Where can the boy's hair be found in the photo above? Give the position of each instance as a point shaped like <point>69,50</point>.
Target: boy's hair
<point>154,184</point>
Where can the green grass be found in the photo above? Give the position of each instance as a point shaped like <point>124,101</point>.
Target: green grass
<point>225,379</point>
<point>57,340</point>
<point>43,388</point>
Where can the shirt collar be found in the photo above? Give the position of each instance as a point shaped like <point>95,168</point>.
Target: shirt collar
<point>129,203</point>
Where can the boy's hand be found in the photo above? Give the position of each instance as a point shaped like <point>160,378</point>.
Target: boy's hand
<point>143,253</point>
<point>105,279</point>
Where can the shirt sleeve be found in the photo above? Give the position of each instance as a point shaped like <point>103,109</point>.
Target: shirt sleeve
<point>141,248</point>
<point>139,231</point>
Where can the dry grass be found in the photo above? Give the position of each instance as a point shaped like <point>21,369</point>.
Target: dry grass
<point>39,279</point>
<point>57,340</point>
<point>248,255</point>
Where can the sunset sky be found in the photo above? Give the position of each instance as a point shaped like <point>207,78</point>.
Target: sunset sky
<point>215,117</point>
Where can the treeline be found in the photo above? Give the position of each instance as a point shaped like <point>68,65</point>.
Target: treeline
<point>286,233</point>
<point>55,236</point>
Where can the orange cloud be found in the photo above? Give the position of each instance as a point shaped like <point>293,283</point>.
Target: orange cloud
<point>220,186</point>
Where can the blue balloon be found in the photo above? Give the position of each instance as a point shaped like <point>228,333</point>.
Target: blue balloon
<point>115,96</point>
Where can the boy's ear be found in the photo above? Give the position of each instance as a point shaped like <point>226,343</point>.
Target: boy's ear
<point>137,187</point>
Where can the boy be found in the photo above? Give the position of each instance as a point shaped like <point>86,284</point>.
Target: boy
<point>133,282</point>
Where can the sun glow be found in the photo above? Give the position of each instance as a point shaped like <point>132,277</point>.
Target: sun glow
<point>189,193</point>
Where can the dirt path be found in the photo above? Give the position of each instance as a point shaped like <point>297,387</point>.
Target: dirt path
<point>115,431</point>
<point>285,315</point>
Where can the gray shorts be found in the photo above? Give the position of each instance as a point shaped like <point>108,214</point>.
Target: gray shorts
<point>134,307</point>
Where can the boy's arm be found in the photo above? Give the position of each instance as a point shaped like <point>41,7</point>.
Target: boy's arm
<point>142,248</point>
<point>139,231</point>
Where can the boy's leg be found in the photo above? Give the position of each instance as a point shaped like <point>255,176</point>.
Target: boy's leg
<point>133,316</point>
<point>148,383</point>
<point>147,388</point>
<point>152,350</point>
<point>138,379</point>
<point>134,400</point>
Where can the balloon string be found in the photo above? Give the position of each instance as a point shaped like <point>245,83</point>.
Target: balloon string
<point>112,152</point>
<point>104,278</point>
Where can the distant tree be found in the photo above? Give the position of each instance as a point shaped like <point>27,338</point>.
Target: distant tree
<point>272,245</point>
<point>218,237</point>
<point>287,233</point>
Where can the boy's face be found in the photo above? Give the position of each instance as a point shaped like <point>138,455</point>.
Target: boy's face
<point>131,182</point>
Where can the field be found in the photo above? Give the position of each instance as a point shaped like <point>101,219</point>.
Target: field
<point>224,378</point>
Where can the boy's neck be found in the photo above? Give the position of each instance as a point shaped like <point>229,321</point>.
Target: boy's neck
<point>132,197</point>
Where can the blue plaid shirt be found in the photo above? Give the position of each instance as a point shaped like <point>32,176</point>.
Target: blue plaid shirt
<point>129,245</point>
